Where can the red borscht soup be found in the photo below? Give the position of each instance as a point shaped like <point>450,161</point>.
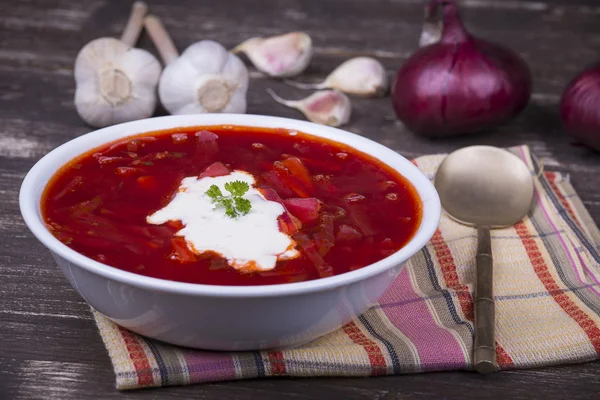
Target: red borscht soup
<point>225,205</point>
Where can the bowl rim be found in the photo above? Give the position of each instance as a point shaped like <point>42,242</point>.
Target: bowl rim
<point>37,178</point>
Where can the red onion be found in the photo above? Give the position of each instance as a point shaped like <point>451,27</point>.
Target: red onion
<point>580,107</point>
<point>459,84</point>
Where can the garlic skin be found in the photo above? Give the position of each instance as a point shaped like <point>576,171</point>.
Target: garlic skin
<point>326,107</point>
<point>115,82</point>
<point>206,78</point>
<point>432,31</point>
<point>359,76</point>
<point>280,56</point>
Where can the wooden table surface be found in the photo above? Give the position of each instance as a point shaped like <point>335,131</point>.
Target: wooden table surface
<point>49,345</point>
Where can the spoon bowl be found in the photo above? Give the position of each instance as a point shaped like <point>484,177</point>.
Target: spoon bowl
<point>485,187</point>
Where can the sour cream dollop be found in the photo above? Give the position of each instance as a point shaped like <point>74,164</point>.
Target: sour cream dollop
<point>251,242</point>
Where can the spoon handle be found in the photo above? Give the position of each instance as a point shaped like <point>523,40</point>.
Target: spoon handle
<point>484,354</point>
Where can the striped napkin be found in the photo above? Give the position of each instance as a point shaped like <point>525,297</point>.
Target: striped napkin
<point>547,286</point>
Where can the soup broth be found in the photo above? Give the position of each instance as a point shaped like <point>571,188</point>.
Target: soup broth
<point>334,208</point>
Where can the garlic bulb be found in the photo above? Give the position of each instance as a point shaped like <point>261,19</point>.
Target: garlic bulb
<point>115,82</point>
<point>327,107</point>
<point>206,78</point>
<point>278,56</point>
<point>360,76</point>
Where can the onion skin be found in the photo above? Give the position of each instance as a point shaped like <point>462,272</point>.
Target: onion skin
<point>460,84</point>
<point>580,107</point>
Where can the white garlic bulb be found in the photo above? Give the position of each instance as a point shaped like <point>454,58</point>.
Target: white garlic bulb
<point>115,82</point>
<point>327,107</point>
<point>206,78</point>
<point>278,56</point>
<point>360,76</point>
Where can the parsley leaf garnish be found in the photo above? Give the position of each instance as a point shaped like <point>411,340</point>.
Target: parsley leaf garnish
<point>214,192</point>
<point>237,188</point>
<point>234,204</point>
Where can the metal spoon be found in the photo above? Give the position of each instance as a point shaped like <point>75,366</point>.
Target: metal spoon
<point>485,187</point>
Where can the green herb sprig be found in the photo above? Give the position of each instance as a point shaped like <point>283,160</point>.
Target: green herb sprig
<point>234,204</point>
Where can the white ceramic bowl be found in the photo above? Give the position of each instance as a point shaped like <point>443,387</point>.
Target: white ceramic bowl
<point>224,317</point>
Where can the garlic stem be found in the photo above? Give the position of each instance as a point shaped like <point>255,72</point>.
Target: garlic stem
<point>132,30</point>
<point>300,85</point>
<point>240,48</point>
<point>163,42</point>
<point>280,100</point>
<point>327,107</point>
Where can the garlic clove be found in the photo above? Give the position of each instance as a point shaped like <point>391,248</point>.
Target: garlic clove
<point>432,28</point>
<point>360,76</point>
<point>327,107</point>
<point>279,56</point>
<point>206,78</point>
<point>114,82</point>
<point>206,55</point>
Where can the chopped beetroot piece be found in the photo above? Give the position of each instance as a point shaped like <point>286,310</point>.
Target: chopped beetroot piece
<point>298,170</point>
<point>309,249</point>
<point>346,233</point>
<point>214,170</point>
<point>288,223</point>
<point>271,194</point>
<point>323,242</point>
<point>177,225</point>
<point>325,238</point>
<point>336,212</point>
<point>69,187</point>
<point>206,146</point>
<point>181,251</point>
<point>83,208</point>
<point>326,225</point>
<point>274,181</point>
<point>306,210</point>
<point>86,206</point>
<point>358,216</point>
<point>323,182</point>
<point>290,180</point>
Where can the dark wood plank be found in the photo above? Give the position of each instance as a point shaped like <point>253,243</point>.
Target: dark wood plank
<point>49,345</point>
